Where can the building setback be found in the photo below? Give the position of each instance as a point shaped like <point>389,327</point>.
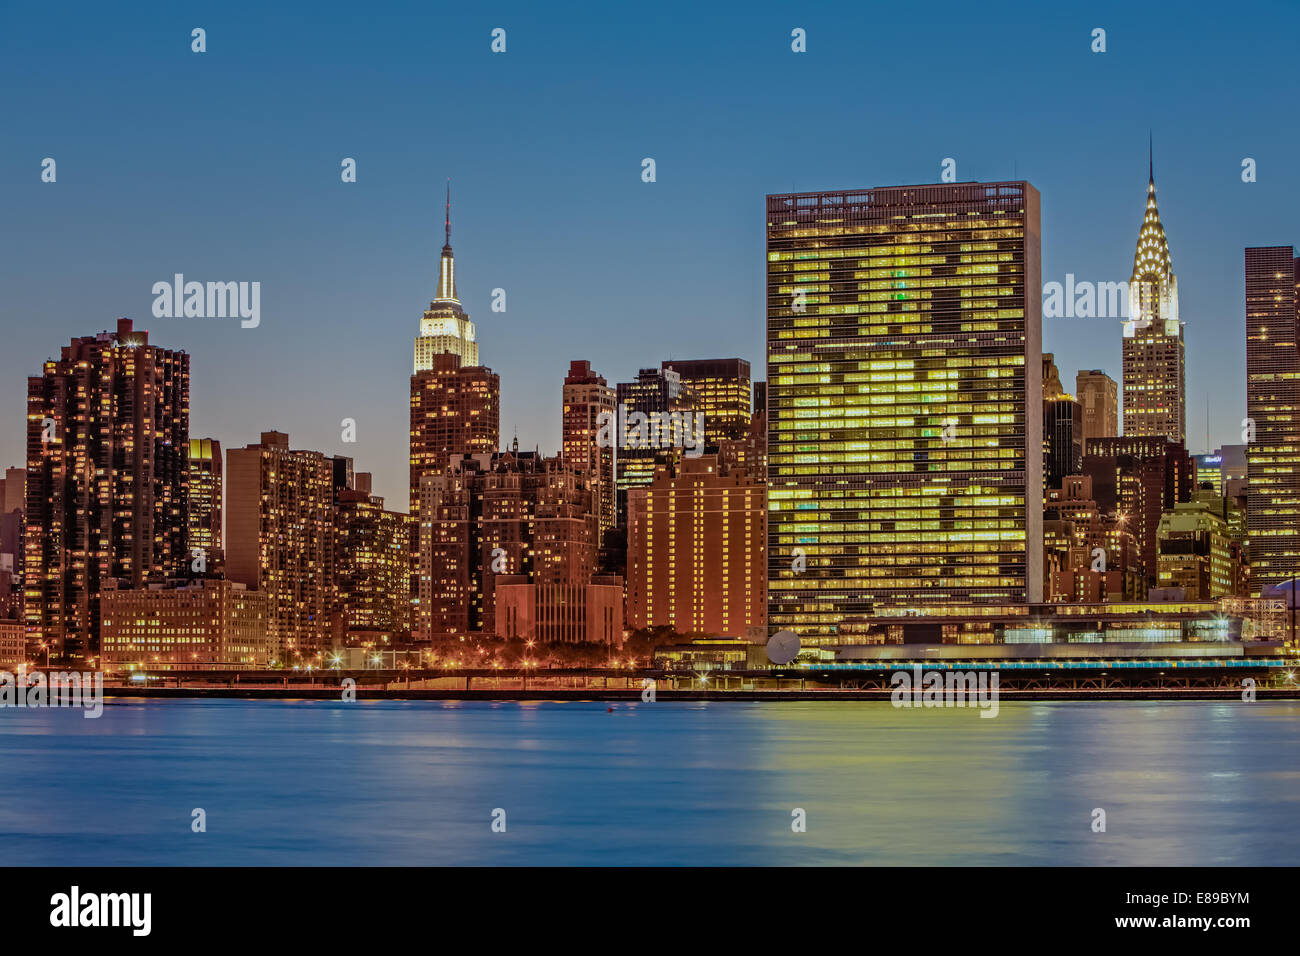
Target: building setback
<point>903,378</point>
<point>1273,415</point>
<point>697,550</point>
<point>280,538</point>
<point>107,479</point>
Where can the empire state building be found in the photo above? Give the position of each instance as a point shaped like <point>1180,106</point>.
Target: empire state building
<point>1155,403</point>
<point>445,328</point>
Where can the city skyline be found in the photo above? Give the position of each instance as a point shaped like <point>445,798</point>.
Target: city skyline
<point>346,275</point>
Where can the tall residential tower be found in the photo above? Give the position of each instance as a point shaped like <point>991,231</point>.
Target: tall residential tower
<point>107,479</point>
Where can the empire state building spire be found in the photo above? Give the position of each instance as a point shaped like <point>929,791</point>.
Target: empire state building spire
<point>1154,369</point>
<point>447,271</point>
<point>445,327</point>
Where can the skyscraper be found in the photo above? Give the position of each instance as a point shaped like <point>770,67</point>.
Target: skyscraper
<point>1098,395</point>
<point>1062,446</point>
<point>1272,429</point>
<point>204,508</point>
<point>1062,428</point>
<point>280,538</point>
<point>107,475</point>
<point>1154,393</point>
<point>722,391</point>
<point>588,437</point>
<point>445,327</point>
<point>904,400</point>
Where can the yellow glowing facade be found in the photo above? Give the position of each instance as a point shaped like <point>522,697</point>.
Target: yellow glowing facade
<point>904,374</point>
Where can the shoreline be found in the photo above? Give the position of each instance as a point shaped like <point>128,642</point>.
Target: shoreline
<point>619,695</point>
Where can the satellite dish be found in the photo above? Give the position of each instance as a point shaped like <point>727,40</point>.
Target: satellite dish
<point>783,647</point>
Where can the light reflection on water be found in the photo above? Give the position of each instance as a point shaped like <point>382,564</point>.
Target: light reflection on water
<point>323,783</point>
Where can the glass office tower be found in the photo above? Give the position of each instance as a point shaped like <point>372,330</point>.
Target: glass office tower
<point>904,374</point>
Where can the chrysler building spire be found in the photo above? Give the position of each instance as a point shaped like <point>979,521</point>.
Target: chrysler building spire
<point>1154,376</point>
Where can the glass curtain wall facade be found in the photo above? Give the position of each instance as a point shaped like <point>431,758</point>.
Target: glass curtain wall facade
<point>904,374</point>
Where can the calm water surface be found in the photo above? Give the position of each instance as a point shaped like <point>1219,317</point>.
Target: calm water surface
<point>324,783</point>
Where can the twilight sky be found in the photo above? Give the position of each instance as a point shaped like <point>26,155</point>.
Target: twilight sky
<point>225,166</point>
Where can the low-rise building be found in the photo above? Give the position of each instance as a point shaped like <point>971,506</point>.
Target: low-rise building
<point>206,624</point>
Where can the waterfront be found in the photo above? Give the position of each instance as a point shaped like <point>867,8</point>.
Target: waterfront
<point>376,782</point>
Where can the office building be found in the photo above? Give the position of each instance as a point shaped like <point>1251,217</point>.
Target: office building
<point>904,400</point>
<point>722,391</point>
<point>1194,549</point>
<point>1272,428</point>
<point>1062,428</point>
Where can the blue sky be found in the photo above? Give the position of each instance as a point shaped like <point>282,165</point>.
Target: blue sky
<point>225,166</point>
